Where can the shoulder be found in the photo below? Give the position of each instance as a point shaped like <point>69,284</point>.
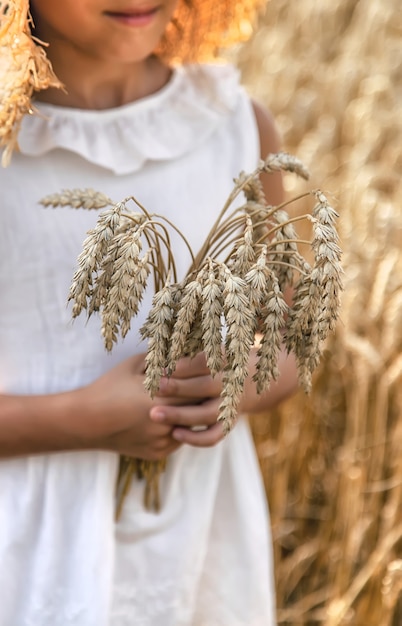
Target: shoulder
<point>270,142</point>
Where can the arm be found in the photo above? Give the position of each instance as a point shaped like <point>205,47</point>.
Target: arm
<point>270,142</point>
<point>112,413</point>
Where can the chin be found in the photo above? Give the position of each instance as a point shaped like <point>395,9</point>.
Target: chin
<point>127,54</point>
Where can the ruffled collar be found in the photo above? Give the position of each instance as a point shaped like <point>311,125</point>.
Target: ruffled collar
<point>162,126</point>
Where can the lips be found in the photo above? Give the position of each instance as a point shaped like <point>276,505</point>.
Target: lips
<point>134,17</point>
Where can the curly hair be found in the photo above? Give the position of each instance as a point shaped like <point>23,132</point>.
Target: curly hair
<point>201,28</point>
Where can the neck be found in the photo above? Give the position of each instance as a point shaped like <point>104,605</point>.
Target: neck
<point>94,85</point>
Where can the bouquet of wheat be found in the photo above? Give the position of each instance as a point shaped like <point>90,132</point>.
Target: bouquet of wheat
<point>233,289</point>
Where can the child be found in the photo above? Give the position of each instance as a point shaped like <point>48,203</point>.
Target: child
<point>127,122</point>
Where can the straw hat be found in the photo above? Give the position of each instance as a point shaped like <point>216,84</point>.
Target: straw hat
<point>200,29</point>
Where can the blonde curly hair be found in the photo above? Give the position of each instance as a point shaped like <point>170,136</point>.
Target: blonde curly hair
<point>200,29</point>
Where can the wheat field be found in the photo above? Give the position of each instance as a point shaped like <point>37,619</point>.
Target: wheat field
<point>331,72</point>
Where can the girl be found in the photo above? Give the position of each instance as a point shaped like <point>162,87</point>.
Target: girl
<point>134,116</point>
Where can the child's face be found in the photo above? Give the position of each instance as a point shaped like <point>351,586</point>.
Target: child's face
<point>111,30</point>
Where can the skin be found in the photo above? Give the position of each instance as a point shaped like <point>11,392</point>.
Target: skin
<point>106,64</point>
<point>102,62</point>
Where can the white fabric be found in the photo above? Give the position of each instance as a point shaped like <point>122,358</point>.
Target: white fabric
<point>205,559</point>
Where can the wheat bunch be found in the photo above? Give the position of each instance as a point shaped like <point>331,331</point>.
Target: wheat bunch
<point>234,287</point>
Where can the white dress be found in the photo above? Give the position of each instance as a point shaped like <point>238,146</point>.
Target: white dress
<point>205,559</point>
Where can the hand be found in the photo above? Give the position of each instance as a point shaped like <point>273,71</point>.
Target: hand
<point>193,381</point>
<point>114,413</point>
<point>196,398</point>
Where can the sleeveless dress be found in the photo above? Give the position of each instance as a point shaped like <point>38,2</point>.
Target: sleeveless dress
<point>205,558</point>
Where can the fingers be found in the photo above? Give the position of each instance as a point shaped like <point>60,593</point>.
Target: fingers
<point>200,439</point>
<point>162,450</point>
<point>188,416</point>
<point>197,388</point>
<point>191,367</point>
<point>157,452</point>
<point>195,425</point>
<point>189,404</point>
<point>154,443</point>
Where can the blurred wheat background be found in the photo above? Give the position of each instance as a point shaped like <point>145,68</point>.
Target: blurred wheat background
<point>331,72</point>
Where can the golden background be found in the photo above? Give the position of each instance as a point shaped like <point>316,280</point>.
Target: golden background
<point>331,72</point>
